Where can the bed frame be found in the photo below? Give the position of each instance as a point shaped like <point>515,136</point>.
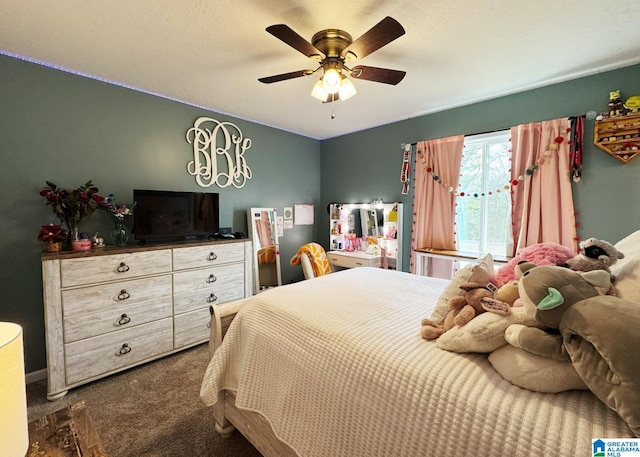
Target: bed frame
<point>253,426</point>
<point>526,424</point>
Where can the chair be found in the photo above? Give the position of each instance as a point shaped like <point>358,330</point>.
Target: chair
<point>313,259</point>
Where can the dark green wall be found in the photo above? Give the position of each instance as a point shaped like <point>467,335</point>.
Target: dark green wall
<point>366,165</point>
<point>68,129</point>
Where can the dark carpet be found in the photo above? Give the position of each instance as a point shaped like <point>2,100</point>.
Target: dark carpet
<point>151,410</point>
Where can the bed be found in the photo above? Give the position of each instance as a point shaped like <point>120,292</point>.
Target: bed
<point>335,366</point>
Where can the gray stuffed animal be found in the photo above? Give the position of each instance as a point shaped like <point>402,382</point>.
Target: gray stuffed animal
<point>598,334</point>
<point>595,255</point>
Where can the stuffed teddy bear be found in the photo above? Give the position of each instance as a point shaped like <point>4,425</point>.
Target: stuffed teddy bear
<point>595,255</point>
<point>485,333</point>
<point>462,309</point>
<point>597,333</point>
<point>508,293</point>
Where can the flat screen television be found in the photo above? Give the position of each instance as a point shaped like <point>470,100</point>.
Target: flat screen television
<point>162,215</point>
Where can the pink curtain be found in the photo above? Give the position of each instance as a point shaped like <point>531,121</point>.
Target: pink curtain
<point>434,199</point>
<point>542,201</point>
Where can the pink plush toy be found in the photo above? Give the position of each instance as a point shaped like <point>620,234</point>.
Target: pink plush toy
<point>540,254</point>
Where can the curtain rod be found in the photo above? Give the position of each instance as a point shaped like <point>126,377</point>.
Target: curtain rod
<point>590,115</point>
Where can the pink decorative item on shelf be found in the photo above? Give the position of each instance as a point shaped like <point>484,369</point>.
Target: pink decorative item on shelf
<point>81,245</point>
<point>81,242</point>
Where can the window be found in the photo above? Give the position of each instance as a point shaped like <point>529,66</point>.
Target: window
<point>483,212</point>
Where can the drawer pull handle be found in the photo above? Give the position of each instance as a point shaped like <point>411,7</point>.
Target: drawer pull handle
<point>211,298</point>
<point>211,310</point>
<point>209,324</point>
<point>123,295</point>
<point>125,349</point>
<point>122,268</point>
<point>211,278</point>
<point>124,319</point>
<point>212,256</point>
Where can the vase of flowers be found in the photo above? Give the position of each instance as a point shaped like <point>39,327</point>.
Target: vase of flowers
<point>72,206</point>
<point>53,236</point>
<point>119,215</point>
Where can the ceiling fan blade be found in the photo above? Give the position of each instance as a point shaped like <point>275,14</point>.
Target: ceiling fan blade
<point>380,75</point>
<point>288,35</point>
<point>285,76</point>
<point>384,32</point>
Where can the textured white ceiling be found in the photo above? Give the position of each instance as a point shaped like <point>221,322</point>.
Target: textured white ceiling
<point>210,53</point>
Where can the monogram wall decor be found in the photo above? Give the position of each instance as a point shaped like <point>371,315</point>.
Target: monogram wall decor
<point>218,153</point>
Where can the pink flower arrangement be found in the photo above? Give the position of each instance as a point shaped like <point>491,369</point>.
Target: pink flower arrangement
<point>118,212</point>
<point>119,215</point>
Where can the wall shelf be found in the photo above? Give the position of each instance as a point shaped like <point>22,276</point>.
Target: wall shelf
<point>619,136</point>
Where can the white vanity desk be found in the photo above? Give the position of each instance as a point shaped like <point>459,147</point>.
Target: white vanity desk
<point>353,259</point>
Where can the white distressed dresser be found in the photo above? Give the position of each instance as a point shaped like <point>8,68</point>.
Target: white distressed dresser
<point>109,309</point>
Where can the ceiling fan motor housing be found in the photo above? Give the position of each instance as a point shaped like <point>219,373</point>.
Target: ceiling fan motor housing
<point>331,42</point>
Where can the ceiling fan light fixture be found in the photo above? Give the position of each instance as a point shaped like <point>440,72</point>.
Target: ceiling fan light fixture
<point>331,48</point>
<point>347,89</point>
<point>331,80</point>
<point>319,91</point>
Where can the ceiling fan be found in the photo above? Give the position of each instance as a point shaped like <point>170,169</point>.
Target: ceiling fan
<point>332,49</point>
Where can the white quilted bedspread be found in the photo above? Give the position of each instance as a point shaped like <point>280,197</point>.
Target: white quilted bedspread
<point>338,367</point>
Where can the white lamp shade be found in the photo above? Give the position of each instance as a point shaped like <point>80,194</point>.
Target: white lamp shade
<point>319,92</point>
<point>347,89</point>
<point>331,80</point>
<point>14,435</point>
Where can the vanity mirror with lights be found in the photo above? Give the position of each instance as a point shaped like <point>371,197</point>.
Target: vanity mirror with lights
<point>365,234</point>
<point>261,223</point>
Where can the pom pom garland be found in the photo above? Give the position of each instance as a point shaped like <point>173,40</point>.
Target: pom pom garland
<point>548,153</point>
<point>514,182</point>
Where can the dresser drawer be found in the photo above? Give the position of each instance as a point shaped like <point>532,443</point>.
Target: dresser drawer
<point>116,350</point>
<point>106,297</point>
<point>203,256</point>
<point>87,325</point>
<point>88,270</point>
<point>209,286</point>
<point>353,261</point>
<point>191,328</point>
<point>116,317</point>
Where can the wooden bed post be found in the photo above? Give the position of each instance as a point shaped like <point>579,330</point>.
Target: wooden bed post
<point>222,425</point>
<point>227,416</point>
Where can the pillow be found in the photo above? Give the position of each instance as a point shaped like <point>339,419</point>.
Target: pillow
<point>627,270</point>
<point>484,333</point>
<point>629,246</point>
<point>534,372</point>
<point>479,270</point>
<point>604,345</point>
